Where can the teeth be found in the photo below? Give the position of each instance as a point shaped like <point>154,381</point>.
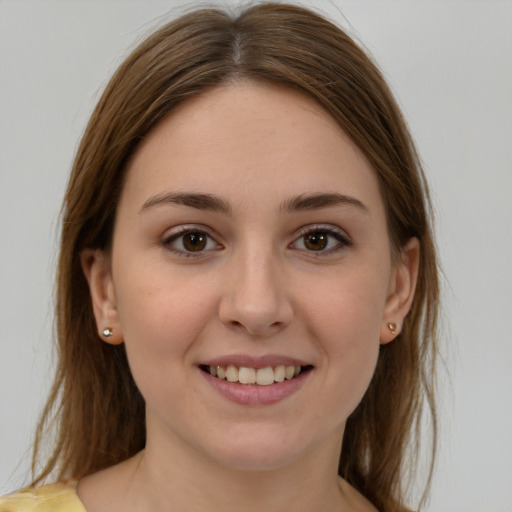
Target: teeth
<point>265,376</point>
<point>261,376</point>
<point>246,375</point>
<point>232,373</point>
<point>279,373</point>
<point>221,373</point>
<point>289,372</point>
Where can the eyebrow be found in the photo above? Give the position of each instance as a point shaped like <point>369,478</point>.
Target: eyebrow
<point>209,202</point>
<point>306,202</point>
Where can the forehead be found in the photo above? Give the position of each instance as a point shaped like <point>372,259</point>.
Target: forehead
<point>245,139</point>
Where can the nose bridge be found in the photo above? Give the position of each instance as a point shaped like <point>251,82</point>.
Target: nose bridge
<point>256,298</point>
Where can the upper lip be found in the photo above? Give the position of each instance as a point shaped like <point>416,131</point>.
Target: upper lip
<point>247,361</point>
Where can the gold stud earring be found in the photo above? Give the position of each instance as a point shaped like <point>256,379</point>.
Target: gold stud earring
<point>107,332</point>
<point>392,327</point>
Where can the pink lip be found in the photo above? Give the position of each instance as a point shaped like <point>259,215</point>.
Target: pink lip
<point>247,394</point>
<point>254,362</point>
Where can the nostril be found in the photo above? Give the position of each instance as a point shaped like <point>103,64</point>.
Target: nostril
<point>263,330</point>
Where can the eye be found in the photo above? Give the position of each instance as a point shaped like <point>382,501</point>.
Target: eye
<point>321,239</point>
<point>189,240</point>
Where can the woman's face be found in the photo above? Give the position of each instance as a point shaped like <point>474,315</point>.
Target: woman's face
<point>250,239</point>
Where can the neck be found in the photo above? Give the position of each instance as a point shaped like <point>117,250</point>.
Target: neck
<point>167,480</point>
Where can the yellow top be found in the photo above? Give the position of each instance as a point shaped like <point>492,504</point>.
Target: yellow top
<point>48,498</point>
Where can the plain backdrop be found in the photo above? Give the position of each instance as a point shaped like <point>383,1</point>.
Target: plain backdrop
<point>450,64</point>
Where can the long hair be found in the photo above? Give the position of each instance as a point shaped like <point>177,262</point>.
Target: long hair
<point>95,411</point>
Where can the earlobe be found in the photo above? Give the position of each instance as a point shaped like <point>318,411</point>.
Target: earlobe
<point>96,268</point>
<point>401,291</point>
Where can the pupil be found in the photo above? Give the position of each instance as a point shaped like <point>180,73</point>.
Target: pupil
<point>316,241</point>
<point>194,241</point>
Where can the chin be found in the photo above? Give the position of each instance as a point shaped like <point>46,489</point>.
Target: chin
<point>261,449</point>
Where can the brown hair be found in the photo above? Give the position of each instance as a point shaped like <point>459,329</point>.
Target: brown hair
<point>94,406</point>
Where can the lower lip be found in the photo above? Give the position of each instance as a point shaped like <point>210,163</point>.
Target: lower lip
<point>247,394</point>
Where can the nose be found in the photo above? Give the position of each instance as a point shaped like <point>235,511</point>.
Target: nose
<point>255,298</point>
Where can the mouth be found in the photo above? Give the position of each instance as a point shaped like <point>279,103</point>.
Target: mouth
<point>266,376</point>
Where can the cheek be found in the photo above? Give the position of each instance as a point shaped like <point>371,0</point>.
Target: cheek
<point>348,309</point>
<point>161,319</point>
<point>161,315</point>
<point>345,320</point>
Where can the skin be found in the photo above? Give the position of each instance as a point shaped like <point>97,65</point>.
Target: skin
<point>256,289</point>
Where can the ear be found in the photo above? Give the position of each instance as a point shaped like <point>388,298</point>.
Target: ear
<point>401,290</point>
<point>96,268</point>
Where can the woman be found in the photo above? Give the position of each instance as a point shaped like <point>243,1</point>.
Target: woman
<point>247,287</point>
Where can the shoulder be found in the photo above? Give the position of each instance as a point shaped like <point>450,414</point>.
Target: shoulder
<point>59,497</point>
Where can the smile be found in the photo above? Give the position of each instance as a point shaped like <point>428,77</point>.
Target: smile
<point>259,376</point>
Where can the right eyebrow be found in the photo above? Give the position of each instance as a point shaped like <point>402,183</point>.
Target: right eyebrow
<point>193,200</point>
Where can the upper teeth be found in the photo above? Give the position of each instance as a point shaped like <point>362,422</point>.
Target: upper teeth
<point>261,376</point>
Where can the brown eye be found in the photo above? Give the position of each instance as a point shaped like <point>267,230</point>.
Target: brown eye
<point>194,241</point>
<point>190,241</point>
<point>325,241</point>
<point>316,241</point>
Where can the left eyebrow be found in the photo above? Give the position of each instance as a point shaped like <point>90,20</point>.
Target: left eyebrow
<point>318,201</point>
<point>200,201</point>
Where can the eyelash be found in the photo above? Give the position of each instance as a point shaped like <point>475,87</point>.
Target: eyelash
<point>341,238</point>
<point>342,241</point>
<point>168,240</point>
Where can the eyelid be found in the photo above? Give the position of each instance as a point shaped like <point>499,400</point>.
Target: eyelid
<point>339,234</point>
<point>174,234</point>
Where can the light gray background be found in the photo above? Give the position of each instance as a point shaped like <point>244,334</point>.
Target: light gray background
<point>449,62</point>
